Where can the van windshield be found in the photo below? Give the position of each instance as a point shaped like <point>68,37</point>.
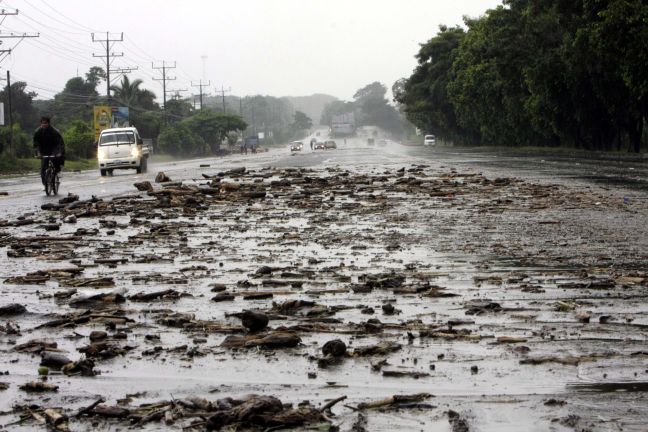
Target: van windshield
<point>113,138</point>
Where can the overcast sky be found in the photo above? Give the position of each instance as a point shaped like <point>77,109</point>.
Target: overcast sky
<point>273,47</point>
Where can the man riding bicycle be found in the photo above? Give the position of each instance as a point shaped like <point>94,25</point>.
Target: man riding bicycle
<point>48,141</point>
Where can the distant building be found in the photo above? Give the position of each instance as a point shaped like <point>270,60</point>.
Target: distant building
<point>343,124</point>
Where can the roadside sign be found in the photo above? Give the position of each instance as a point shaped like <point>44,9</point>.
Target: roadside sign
<point>102,119</point>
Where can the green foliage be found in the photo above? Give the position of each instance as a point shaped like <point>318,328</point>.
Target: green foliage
<point>199,134</point>
<point>213,127</point>
<point>232,138</point>
<point>94,76</point>
<point>22,143</point>
<point>22,104</point>
<point>370,107</point>
<point>76,100</point>
<point>335,108</point>
<point>373,109</point>
<point>302,122</point>
<point>79,141</point>
<point>537,73</point>
<point>148,123</point>
<point>128,92</point>
<point>179,140</point>
<point>178,109</point>
<point>270,115</point>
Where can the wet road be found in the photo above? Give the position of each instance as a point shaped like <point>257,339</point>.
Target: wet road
<point>543,327</point>
<point>629,178</point>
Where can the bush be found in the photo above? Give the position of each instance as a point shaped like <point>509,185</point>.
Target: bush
<point>178,140</point>
<point>79,141</point>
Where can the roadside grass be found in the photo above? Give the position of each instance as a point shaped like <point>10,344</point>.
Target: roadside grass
<point>553,152</point>
<point>19,166</point>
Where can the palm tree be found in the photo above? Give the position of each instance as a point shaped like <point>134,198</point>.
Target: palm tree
<point>128,92</point>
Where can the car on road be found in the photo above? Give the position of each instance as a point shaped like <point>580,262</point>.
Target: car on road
<point>319,145</point>
<point>370,141</point>
<point>122,148</point>
<point>382,143</point>
<point>296,146</point>
<point>429,140</point>
<point>330,144</point>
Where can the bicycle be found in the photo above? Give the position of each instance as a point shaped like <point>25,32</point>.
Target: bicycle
<point>52,180</point>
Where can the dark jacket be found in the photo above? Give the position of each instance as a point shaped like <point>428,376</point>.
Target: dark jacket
<point>49,141</point>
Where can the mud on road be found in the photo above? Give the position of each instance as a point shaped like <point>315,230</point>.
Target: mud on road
<point>373,298</point>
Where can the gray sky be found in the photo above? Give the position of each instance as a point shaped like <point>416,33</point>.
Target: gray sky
<point>273,47</point>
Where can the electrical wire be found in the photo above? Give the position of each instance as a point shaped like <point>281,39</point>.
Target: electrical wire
<point>60,53</point>
<point>85,30</point>
<point>68,40</point>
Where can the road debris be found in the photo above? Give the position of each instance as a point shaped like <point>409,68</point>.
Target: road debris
<point>289,284</point>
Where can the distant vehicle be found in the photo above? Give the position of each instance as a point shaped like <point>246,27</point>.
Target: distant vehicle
<point>296,146</point>
<point>251,143</point>
<point>317,133</point>
<point>382,143</point>
<point>319,146</point>
<point>122,148</point>
<point>429,140</point>
<point>370,141</point>
<point>330,144</point>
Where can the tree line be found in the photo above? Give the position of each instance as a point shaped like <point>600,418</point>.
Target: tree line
<point>569,73</point>
<point>370,108</point>
<point>182,130</point>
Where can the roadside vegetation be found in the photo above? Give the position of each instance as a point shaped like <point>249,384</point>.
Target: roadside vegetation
<point>552,73</point>
<point>182,130</point>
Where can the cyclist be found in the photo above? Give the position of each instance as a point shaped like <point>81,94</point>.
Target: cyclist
<point>48,141</point>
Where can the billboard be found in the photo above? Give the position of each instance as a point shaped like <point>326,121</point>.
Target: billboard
<point>102,119</point>
<point>120,117</point>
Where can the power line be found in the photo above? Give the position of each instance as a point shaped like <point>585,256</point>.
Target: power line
<point>74,58</point>
<point>108,43</point>
<point>60,34</point>
<point>81,26</point>
<point>22,36</point>
<point>49,16</point>
<point>164,79</point>
<point>200,85</point>
<point>222,92</point>
<point>176,92</point>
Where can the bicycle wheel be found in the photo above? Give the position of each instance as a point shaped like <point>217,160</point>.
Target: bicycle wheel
<point>55,184</point>
<point>48,181</point>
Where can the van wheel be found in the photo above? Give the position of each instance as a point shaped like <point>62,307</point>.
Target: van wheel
<point>102,172</point>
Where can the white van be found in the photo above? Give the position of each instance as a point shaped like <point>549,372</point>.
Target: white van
<point>122,148</point>
<point>429,140</point>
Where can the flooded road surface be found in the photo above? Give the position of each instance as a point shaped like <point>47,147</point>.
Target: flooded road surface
<point>359,289</point>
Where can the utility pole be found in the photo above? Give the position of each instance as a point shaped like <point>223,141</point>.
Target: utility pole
<point>200,85</point>
<point>123,71</point>
<point>12,35</point>
<point>11,137</point>
<point>108,43</point>
<point>21,36</point>
<point>222,92</point>
<point>164,79</point>
<point>3,54</point>
<point>176,92</point>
